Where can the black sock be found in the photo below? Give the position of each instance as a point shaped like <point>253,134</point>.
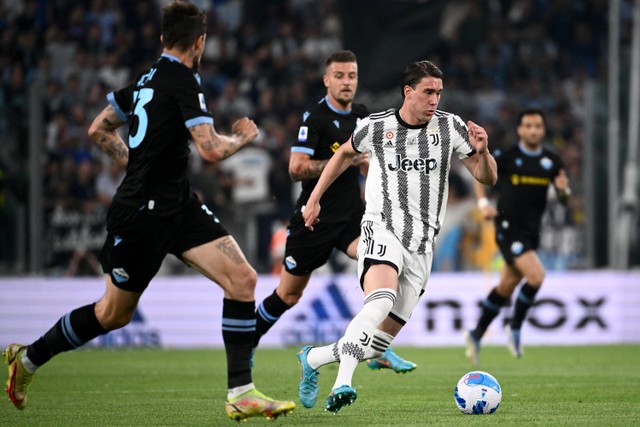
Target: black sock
<point>490,308</point>
<point>73,330</point>
<point>238,329</point>
<point>267,314</point>
<point>525,300</point>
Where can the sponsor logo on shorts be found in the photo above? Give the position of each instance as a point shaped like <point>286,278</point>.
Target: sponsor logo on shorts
<point>517,247</point>
<point>291,263</point>
<point>120,275</point>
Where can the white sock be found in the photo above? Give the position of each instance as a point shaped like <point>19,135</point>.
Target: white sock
<point>232,393</point>
<point>359,334</point>
<point>28,364</point>
<point>381,340</point>
<point>320,356</point>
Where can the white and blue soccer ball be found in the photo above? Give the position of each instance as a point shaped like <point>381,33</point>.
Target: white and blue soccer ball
<point>478,393</point>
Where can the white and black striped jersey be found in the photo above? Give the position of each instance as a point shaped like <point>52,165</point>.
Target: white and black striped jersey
<point>407,184</point>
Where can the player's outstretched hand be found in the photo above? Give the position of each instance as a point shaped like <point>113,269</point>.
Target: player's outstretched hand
<point>478,137</point>
<point>246,129</point>
<point>310,214</point>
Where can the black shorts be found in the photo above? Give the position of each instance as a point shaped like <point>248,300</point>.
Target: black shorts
<point>137,242</point>
<point>513,241</point>
<point>308,250</point>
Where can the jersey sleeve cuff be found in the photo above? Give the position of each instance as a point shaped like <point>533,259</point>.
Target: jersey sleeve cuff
<point>121,115</point>
<point>199,121</point>
<point>354,147</point>
<point>303,150</point>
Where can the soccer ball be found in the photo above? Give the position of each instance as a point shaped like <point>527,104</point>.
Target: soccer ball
<point>478,393</point>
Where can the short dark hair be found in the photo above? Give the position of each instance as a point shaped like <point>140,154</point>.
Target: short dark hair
<point>341,56</point>
<point>416,71</point>
<point>531,112</point>
<point>182,24</point>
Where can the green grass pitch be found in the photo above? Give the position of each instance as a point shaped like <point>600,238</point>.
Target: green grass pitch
<point>555,386</point>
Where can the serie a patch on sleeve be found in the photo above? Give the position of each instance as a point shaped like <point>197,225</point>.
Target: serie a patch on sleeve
<point>303,133</point>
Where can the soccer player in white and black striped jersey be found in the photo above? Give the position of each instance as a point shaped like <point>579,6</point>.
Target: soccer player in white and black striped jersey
<point>325,126</point>
<point>410,152</point>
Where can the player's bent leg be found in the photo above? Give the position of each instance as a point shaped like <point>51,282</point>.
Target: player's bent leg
<point>286,295</point>
<point>223,262</point>
<point>530,267</point>
<point>390,360</point>
<point>383,336</point>
<point>291,287</point>
<point>533,271</point>
<point>340,397</point>
<point>19,380</point>
<point>308,387</point>
<point>116,307</point>
<point>71,331</point>
<point>255,404</point>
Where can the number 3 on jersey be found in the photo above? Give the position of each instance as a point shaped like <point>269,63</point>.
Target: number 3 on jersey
<point>140,99</point>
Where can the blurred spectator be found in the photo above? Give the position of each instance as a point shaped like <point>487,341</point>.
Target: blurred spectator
<point>7,224</point>
<point>108,182</point>
<point>232,103</point>
<point>112,73</point>
<point>264,60</point>
<point>83,188</point>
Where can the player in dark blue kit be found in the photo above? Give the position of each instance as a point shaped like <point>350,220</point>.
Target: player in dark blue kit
<point>155,213</point>
<point>525,172</point>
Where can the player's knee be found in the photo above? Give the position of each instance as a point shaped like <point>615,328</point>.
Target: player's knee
<point>115,320</point>
<point>243,283</point>
<point>292,298</point>
<point>505,289</point>
<point>536,278</point>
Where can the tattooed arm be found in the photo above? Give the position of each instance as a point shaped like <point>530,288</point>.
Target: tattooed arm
<point>103,132</point>
<point>214,147</point>
<point>302,167</point>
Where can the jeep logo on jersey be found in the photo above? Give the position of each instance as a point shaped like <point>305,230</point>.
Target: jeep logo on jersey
<point>421,164</point>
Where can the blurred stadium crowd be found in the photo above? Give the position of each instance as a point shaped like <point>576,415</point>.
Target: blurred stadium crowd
<point>265,59</point>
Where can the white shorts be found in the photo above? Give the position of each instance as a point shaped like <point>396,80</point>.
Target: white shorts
<point>382,246</point>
